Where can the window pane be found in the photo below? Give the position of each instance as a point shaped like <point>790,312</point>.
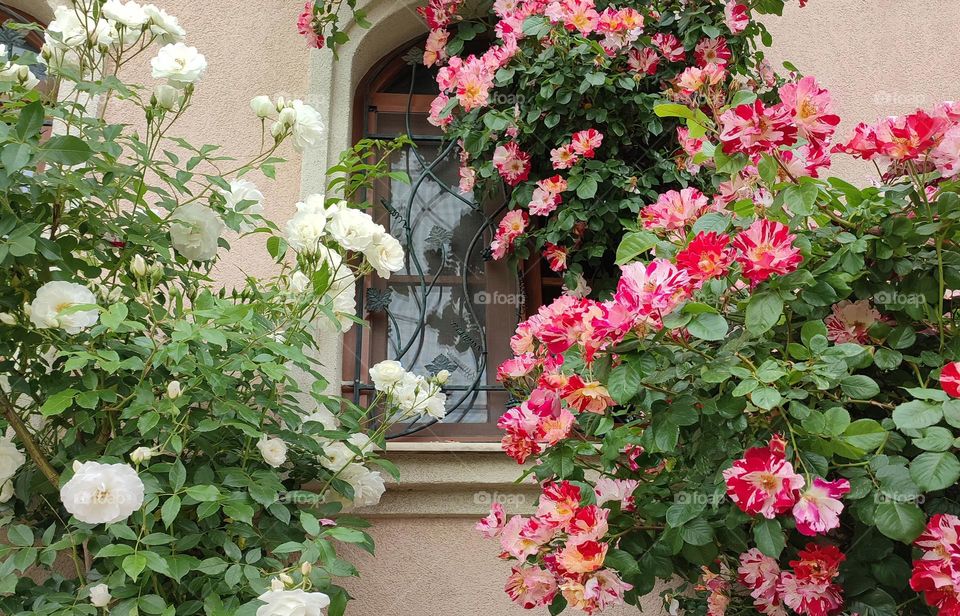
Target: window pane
<point>449,308</point>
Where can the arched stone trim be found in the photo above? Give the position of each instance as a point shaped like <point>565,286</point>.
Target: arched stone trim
<point>333,83</point>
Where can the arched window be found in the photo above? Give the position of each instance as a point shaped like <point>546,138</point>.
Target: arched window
<point>451,307</point>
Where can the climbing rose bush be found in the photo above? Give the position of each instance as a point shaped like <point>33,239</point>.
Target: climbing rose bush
<point>554,103</point>
<point>168,445</point>
<point>764,410</point>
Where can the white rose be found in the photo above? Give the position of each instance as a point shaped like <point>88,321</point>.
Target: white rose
<point>129,14</point>
<point>299,282</point>
<point>324,417</point>
<point>436,406</point>
<point>141,454</point>
<point>386,374</point>
<point>337,456</point>
<point>262,106</point>
<point>243,192</point>
<point>70,30</point>
<point>164,26</point>
<point>18,73</point>
<point>100,595</point>
<point>292,603</point>
<point>307,127</point>
<point>273,450</point>
<point>102,493</point>
<point>344,303</point>
<point>194,231</point>
<point>55,297</point>
<point>385,255</point>
<point>11,458</point>
<point>368,486</point>
<point>309,224</point>
<point>166,96</point>
<point>179,65</point>
<point>354,229</point>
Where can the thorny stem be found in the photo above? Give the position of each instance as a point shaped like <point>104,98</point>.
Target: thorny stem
<point>28,443</point>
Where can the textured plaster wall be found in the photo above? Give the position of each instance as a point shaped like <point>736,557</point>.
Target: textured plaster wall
<point>251,48</point>
<point>877,57</point>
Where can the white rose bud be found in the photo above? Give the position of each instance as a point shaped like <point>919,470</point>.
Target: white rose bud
<point>276,585</point>
<point>281,103</point>
<point>100,595</point>
<point>173,390</point>
<point>287,117</point>
<point>166,97</point>
<point>141,454</point>
<point>286,579</point>
<point>262,106</point>
<point>299,282</point>
<point>306,568</point>
<point>442,377</point>
<point>7,319</point>
<point>138,267</point>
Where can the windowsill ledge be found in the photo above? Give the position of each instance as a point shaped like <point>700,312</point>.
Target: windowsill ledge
<point>442,447</point>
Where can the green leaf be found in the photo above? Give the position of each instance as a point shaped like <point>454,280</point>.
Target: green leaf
<point>15,156</point>
<point>65,150</point>
<point>587,188</point>
<point>203,493</point>
<point>865,434</point>
<point>20,535</point>
<point>170,510</point>
<point>766,397</point>
<point>134,565</point>
<point>936,438</point>
<point>917,414</point>
<point>900,521</point>
<point>624,383</point>
<point>708,326</point>
<point>763,312</point>
<point>114,549</point>
<point>30,121</point>
<point>634,244</point>
<point>859,386</point>
<point>935,471</point>
<point>769,537</point>
<point>697,532</point>
<point>58,402</point>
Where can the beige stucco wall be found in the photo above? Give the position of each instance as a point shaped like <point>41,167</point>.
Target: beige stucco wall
<point>877,56</point>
